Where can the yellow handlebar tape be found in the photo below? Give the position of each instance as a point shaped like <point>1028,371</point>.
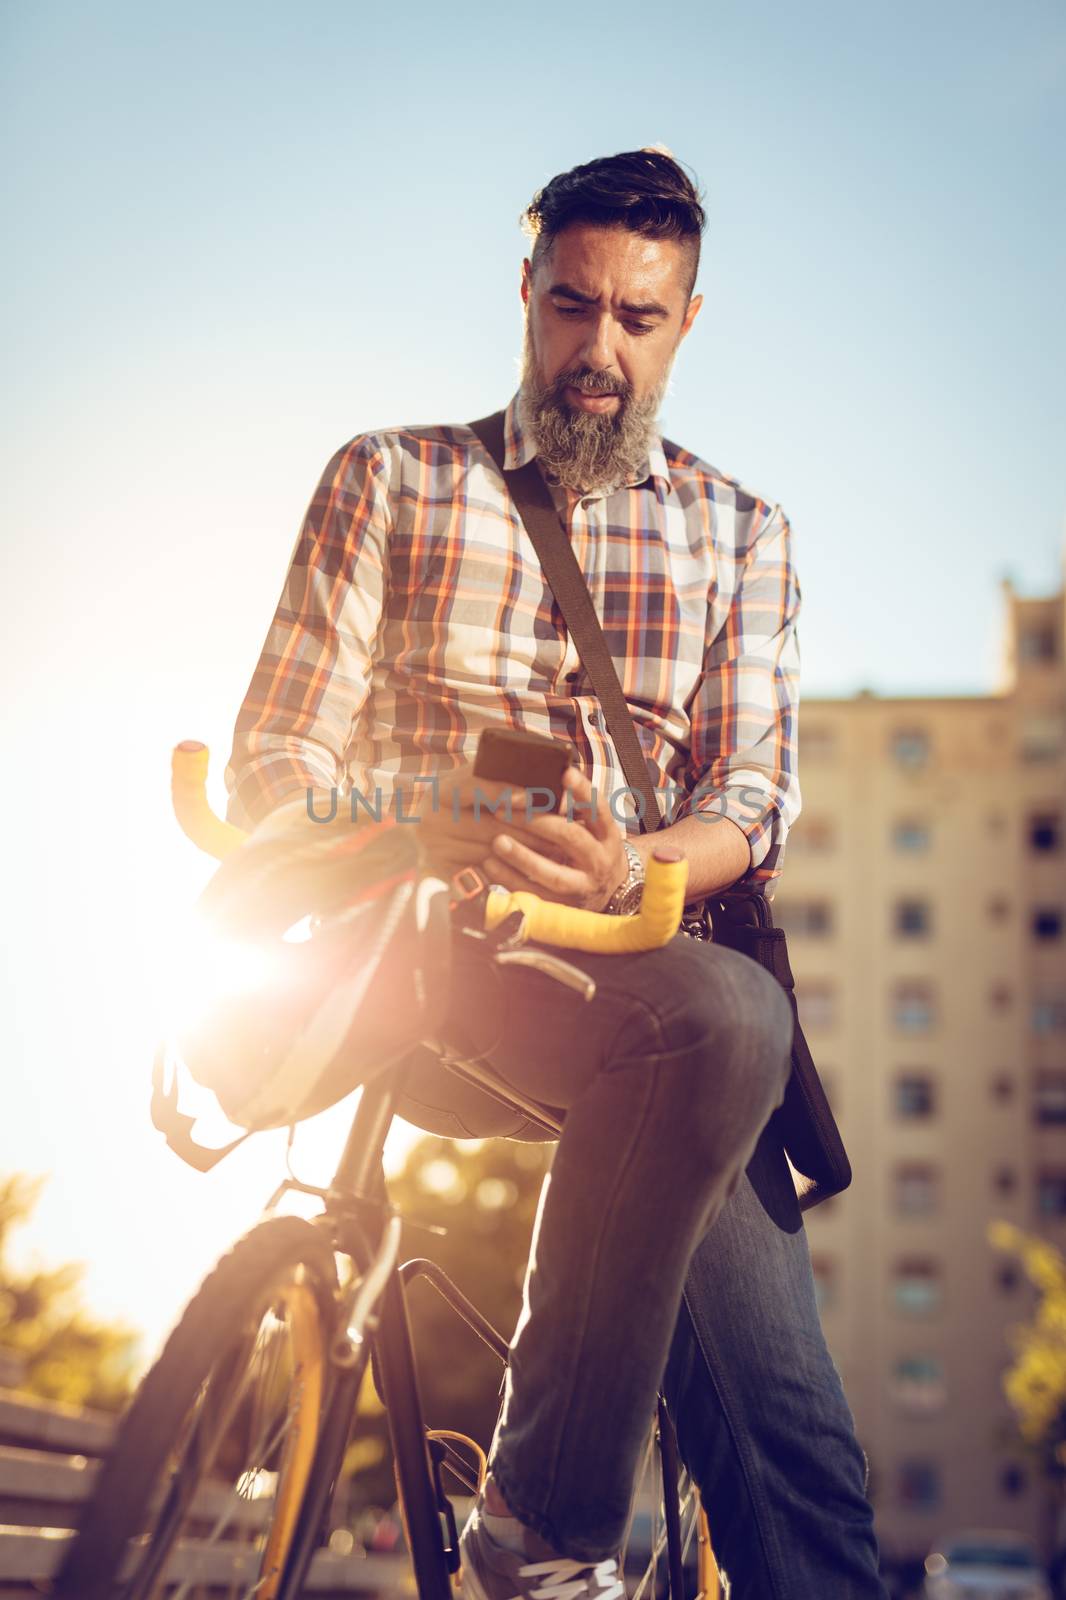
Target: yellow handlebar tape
<point>188,789</point>
<point>655,924</point>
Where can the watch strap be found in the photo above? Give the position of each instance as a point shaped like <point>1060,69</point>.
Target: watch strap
<point>627,897</point>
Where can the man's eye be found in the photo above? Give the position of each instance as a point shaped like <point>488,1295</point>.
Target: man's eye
<point>571,311</point>
<point>640,327</point>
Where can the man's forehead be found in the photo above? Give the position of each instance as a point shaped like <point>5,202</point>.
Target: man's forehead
<point>617,263</point>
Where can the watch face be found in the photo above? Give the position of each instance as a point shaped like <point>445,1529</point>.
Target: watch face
<point>629,902</point>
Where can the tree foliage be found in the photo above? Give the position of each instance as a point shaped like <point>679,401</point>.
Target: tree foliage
<point>1035,1383</point>
<point>65,1353</point>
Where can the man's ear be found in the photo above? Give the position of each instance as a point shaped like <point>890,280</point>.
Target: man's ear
<point>690,315</point>
<point>527,280</point>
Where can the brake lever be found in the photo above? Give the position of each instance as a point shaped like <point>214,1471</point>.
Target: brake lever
<point>552,967</point>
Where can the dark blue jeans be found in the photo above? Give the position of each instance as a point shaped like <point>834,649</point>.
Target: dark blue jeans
<point>657,1261</point>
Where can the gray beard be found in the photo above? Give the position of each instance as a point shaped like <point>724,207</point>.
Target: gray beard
<point>578,449</point>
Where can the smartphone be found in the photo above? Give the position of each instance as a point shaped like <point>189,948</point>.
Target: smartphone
<point>525,760</point>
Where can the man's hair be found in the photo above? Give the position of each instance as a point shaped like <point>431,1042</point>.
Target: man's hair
<point>646,191</point>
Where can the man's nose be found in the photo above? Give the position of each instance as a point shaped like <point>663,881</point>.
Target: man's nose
<point>598,351</point>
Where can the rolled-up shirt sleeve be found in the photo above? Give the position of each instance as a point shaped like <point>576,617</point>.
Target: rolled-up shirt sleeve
<point>742,760</point>
<point>313,673</point>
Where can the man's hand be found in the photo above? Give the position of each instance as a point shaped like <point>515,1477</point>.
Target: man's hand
<point>460,817</point>
<point>579,862</point>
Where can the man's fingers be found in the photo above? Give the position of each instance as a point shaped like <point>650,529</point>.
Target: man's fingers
<point>583,805</point>
<point>496,871</point>
<point>556,836</point>
<point>520,842</point>
<point>539,873</point>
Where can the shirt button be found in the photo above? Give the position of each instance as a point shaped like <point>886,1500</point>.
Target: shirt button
<point>594,719</point>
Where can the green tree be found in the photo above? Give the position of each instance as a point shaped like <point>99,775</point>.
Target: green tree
<point>66,1353</point>
<point>1035,1383</point>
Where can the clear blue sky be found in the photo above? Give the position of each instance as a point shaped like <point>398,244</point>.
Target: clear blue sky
<point>239,234</point>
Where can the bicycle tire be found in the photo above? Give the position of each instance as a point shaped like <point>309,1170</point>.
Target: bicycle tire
<point>194,1394</point>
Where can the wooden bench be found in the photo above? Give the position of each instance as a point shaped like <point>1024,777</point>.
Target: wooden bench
<point>49,1457</point>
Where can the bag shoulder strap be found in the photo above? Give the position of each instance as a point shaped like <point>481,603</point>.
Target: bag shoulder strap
<point>567,582</point>
<point>805,1122</point>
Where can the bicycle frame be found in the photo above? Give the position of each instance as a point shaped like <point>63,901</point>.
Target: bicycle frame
<point>372,1324</point>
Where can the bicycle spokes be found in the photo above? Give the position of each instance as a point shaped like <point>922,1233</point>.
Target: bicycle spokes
<point>667,1531</point>
<point>230,1504</point>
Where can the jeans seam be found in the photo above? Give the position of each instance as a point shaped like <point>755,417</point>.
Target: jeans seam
<point>625,1022</point>
<point>654,1015</point>
<point>758,1500</point>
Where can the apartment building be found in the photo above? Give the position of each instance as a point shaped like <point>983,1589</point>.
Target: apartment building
<point>925,901</point>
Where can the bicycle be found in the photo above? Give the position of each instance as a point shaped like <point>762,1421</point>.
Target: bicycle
<point>259,1383</point>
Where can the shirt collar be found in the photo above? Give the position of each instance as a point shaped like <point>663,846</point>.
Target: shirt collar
<point>519,448</point>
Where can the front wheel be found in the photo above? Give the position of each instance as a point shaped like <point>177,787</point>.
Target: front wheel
<point>667,1547</point>
<point>204,1483</point>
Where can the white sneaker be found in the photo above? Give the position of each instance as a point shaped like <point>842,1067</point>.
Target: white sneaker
<point>489,1571</point>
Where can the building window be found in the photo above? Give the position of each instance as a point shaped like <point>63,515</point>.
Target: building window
<point>917,1286</point>
<point>918,1485</point>
<point>912,919</point>
<point>1037,644</point>
<point>825,1281</point>
<point>910,748</point>
<point>1005,1181</point>
<point>817,1005</point>
<point>812,836</point>
<point>1000,997</point>
<point>1049,1011</point>
<point>913,1006</point>
<point>1008,1277</point>
<point>1045,831</point>
<point>805,919</point>
<point>998,908</point>
<point>918,1383</point>
<point>1047,923</point>
<point>910,837</point>
<point>1002,1089</point>
<point>916,1189</point>
<point>1041,737</point>
<point>817,742</point>
<point>914,1096</point>
<point>1013,1481</point>
<point>1051,1192</point>
<point>1049,1099</point>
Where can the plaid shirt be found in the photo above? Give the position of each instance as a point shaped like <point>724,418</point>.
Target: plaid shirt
<point>415,613</point>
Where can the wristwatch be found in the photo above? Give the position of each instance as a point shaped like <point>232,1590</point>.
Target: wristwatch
<point>627,897</point>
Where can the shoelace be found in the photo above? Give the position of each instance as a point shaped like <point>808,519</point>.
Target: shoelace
<point>566,1579</point>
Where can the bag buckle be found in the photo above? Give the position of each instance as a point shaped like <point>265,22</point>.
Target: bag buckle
<point>465,885</point>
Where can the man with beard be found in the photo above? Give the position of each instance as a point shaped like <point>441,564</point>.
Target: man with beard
<point>415,614</point>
